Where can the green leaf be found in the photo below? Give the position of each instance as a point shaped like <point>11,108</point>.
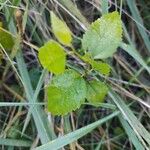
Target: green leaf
<point>96,92</point>
<point>103,36</point>
<point>61,30</point>
<point>66,93</point>
<point>101,67</point>
<point>6,39</point>
<point>52,57</point>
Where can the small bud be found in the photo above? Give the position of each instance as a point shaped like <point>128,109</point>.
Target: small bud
<point>18,14</point>
<point>18,17</point>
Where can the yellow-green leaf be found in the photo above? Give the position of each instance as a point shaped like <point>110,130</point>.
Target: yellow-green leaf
<point>6,39</point>
<point>96,92</point>
<point>66,93</point>
<point>103,36</point>
<point>52,57</point>
<point>87,58</point>
<point>61,30</point>
<point>101,67</point>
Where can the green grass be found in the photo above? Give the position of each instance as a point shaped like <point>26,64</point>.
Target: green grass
<point>122,122</point>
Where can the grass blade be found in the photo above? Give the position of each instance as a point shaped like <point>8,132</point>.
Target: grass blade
<point>6,104</point>
<point>104,5</point>
<point>131,134</point>
<point>38,88</point>
<point>73,136</point>
<point>137,127</point>
<point>139,22</point>
<point>45,132</point>
<point>17,142</point>
<point>132,52</point>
